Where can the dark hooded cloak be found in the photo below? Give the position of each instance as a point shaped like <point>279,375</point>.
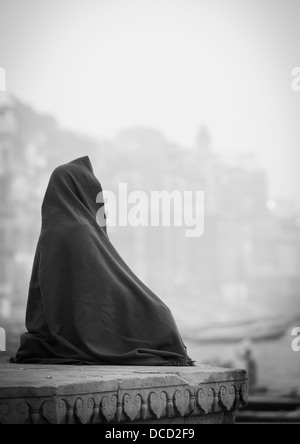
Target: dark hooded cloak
<point>85,305</point>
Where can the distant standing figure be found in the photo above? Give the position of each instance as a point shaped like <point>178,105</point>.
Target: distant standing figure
<point>245,354</point>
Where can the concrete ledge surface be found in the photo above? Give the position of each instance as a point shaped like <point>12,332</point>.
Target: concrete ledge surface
<point>41,394</point>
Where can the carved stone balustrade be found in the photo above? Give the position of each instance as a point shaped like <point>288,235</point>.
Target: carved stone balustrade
<point>35,394</point>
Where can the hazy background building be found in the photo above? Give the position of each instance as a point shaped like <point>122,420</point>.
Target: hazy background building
<point>246,265</point>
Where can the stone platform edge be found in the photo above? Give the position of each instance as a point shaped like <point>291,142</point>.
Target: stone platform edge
<point>117,395</point>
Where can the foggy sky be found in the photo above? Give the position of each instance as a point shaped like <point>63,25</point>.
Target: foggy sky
<point>103,65</point>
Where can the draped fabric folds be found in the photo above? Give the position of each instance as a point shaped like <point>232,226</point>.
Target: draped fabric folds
<point>85,305</point>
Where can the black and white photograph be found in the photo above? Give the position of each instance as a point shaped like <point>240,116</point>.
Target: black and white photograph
<point>149,214</point>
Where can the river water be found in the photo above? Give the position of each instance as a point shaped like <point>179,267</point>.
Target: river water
<point>278,365</point>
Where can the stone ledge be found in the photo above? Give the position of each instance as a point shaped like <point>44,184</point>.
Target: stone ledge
<point>42,394</point>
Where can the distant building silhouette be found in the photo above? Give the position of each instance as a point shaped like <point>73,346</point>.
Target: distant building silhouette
<point>246,264</point>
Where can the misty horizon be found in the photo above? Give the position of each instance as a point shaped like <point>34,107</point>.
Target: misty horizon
<point>170,65</point>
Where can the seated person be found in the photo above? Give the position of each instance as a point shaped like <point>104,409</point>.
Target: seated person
<point>85,305</point>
